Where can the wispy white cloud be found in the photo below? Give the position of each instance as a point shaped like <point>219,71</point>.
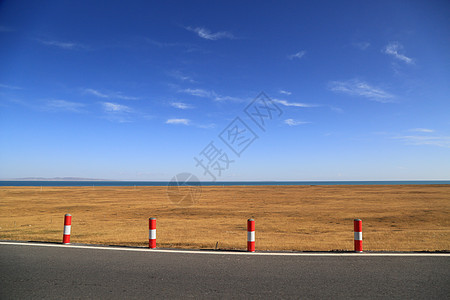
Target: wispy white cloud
<point>180,76</point>
<point>123,97</point>
<point>186,46</point>
<point>115,112</point>
<point>62,45</point>
<point>200,93</point>
<point>208,35</point>
<point>209,94</point>
<point>336,109</point>
<point>178,121</point>
<point>187,122</point>
<point>285,92</point>
<point>227,98</point>
<point>360,88</point>
<point>160,44</point>
<point>63,105</point>
<point>110,95</point>
<point>419,140</point>
<point>50,105</point>
<point>10,87</point>
<point>292,122</point>
<point>298,55</point>
<point>181,105</point>
<point>207,126</point>
<point>295,104</point>
<point>115,108</point>
<point>361,45</point>
<point>95,93</point>
<point>393,49</point>
<point>423,130</point>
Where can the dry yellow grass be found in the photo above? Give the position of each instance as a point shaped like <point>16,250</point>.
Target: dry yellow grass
<point>319,218</point>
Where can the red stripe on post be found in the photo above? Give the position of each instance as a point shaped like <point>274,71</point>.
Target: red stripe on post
<point>357,224</point>
<point>152,233</point>
<point>251,235</point>
<point>67,228</point>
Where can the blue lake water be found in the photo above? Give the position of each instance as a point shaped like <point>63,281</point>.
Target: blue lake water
<point>208,183</point>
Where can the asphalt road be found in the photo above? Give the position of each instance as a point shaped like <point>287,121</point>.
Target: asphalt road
<point>55,272</point>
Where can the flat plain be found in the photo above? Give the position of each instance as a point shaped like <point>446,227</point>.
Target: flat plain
<point>300,218</point>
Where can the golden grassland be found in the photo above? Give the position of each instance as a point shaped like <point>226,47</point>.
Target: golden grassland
<point>306,218</point>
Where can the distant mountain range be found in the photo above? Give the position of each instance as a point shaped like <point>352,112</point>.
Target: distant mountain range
<point>55,179</point>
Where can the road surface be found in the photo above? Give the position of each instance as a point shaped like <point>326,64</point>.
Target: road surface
<point>32,271</point>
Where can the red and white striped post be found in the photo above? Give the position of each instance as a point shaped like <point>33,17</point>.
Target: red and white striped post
<point>358,235</point>
<point>152,233</point>
<point>251,235</point>
<point>67,226</point>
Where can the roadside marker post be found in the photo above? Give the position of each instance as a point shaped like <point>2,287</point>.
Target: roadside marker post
<point>67,227</point>
<point>152,233</point>
<point>251,235</point>
<point>358,235</point>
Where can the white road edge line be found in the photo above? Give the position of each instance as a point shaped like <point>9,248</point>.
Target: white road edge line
<point>220,252</point>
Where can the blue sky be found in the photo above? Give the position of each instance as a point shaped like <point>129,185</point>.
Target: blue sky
<point>137,90</point>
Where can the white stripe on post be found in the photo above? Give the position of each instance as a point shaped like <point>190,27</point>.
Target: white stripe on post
<point>67,229</point>
<point>250,236</point>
